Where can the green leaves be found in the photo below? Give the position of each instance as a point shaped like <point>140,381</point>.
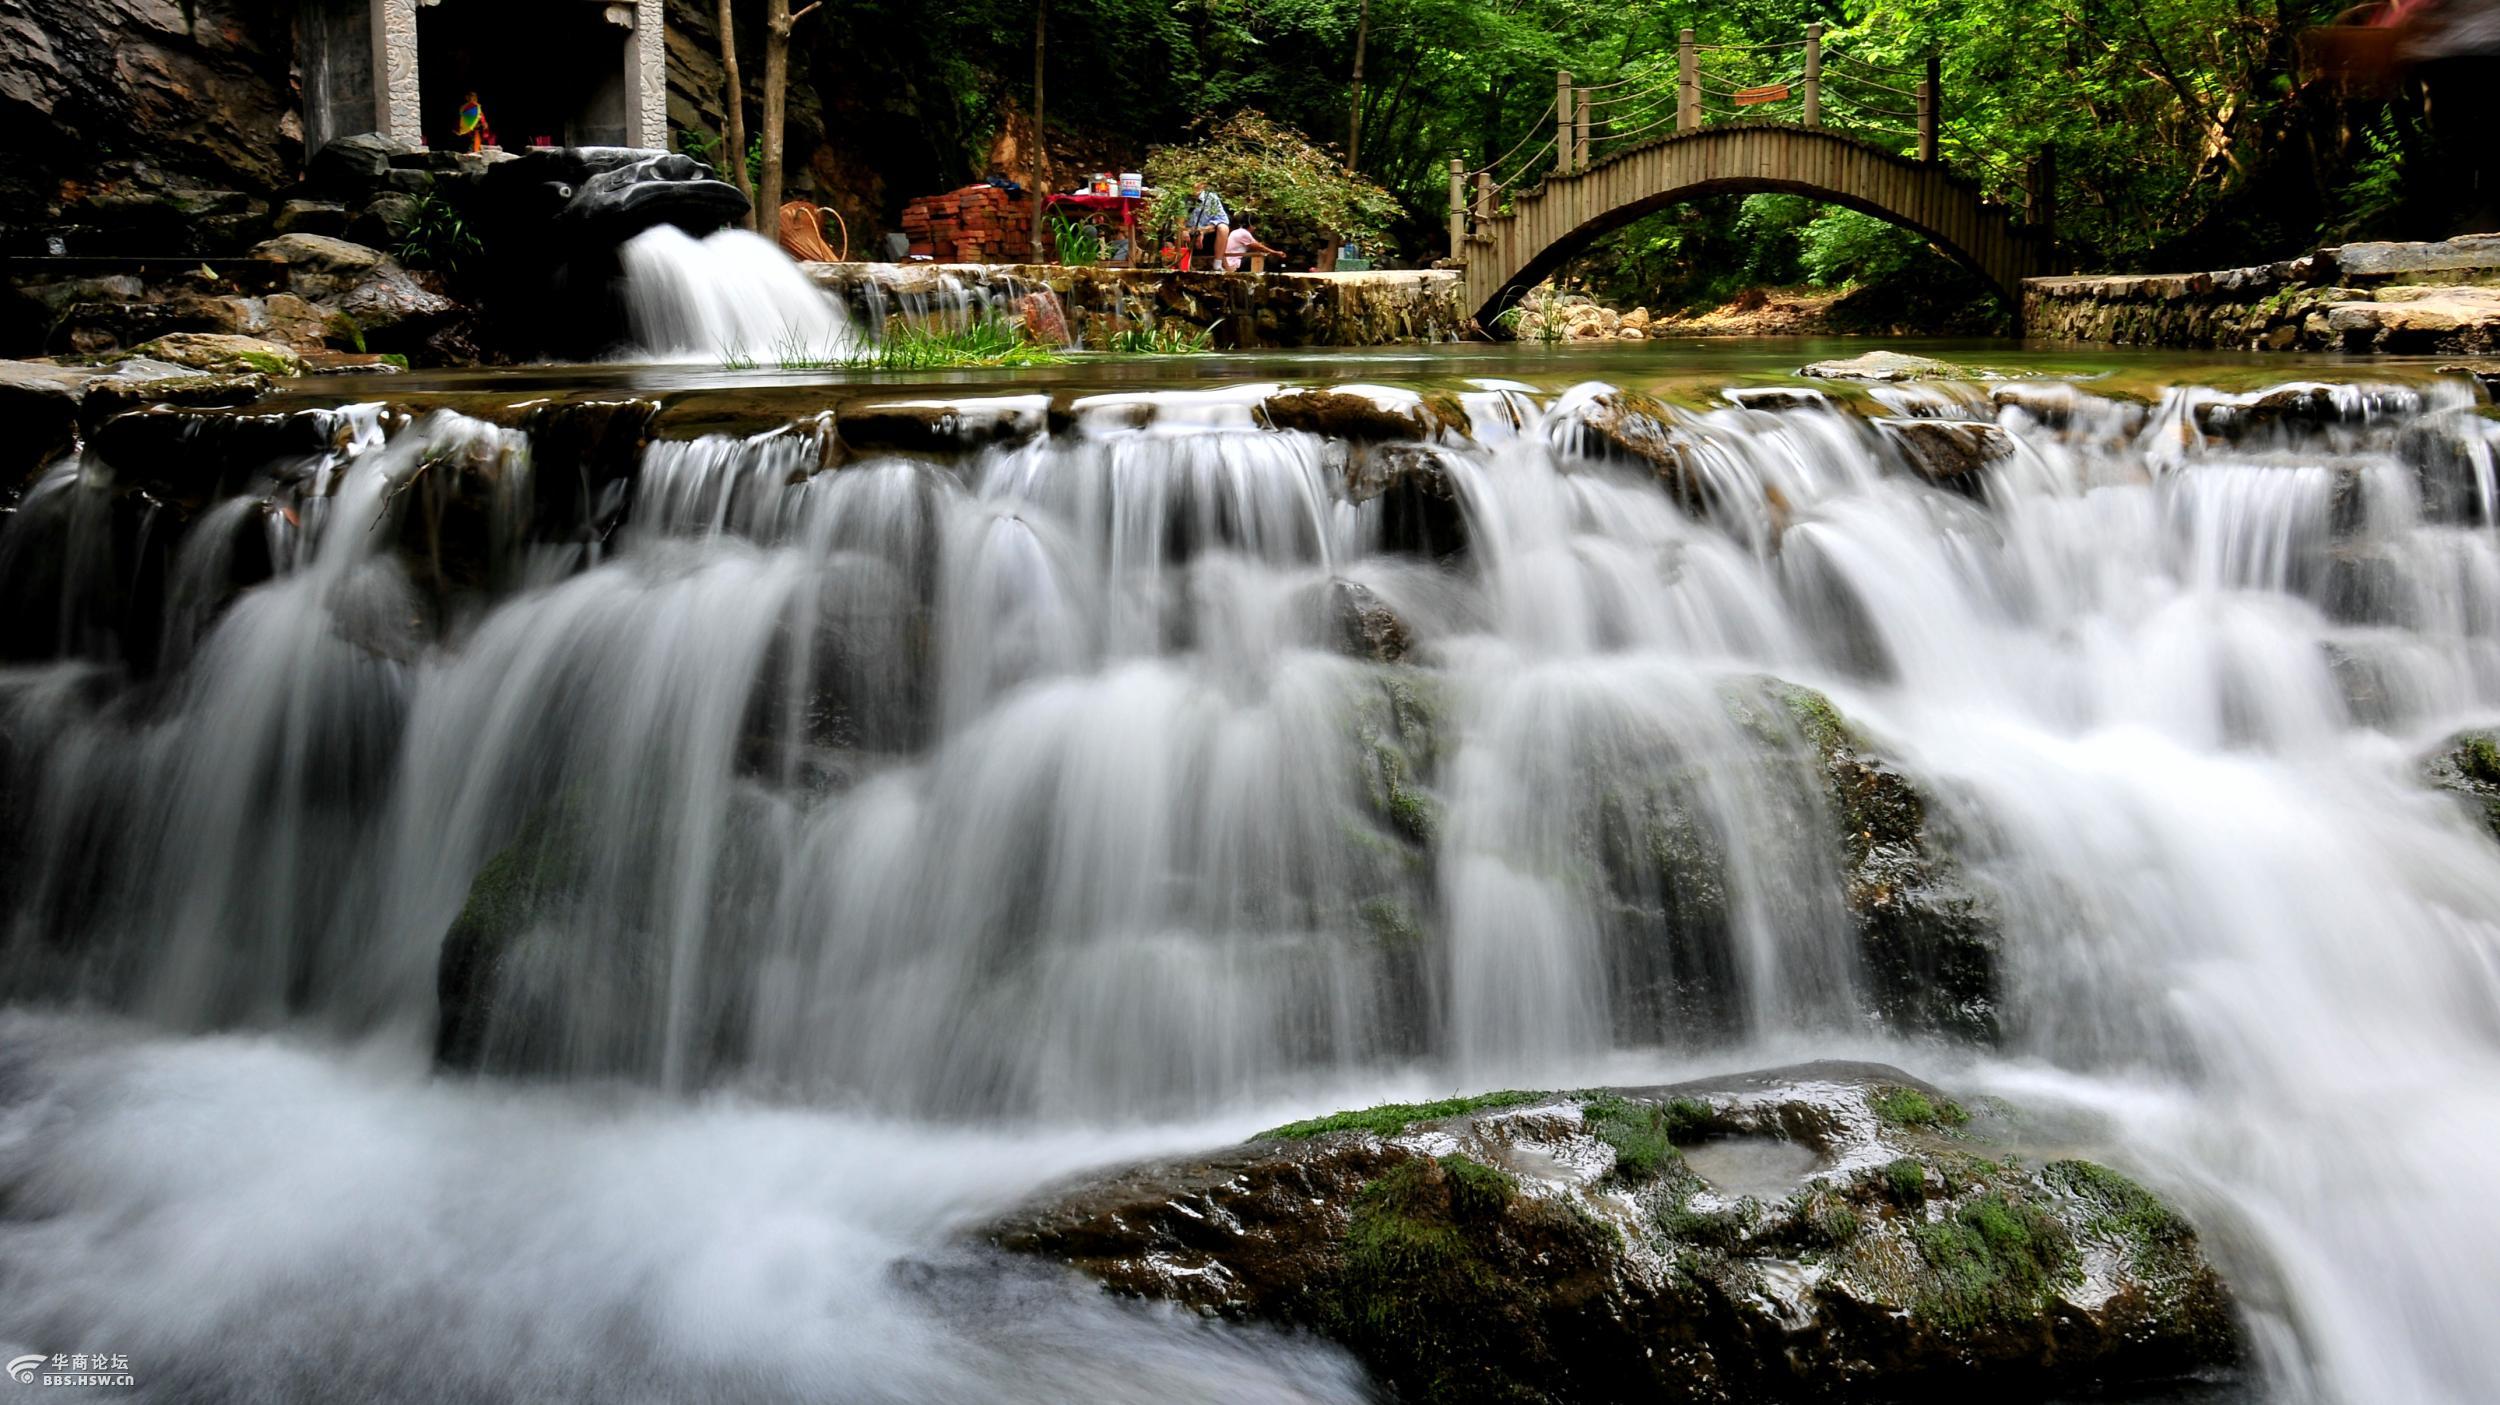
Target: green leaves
<point>1293,194</point>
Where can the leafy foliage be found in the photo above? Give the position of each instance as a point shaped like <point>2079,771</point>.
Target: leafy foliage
<point>1295,195</point>
<point>2186,133</point>
<point>1078,242</point>
<point>437,238</point>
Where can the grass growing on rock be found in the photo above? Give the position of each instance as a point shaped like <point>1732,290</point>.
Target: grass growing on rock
<point>2121,1209</point>
<point>1645,1135</point>
<point>1418,1281</point>
<point>1908,1107</point>
<point>1389,1119</point>
<point>1906,1181</point>
<point>1993,1261</point>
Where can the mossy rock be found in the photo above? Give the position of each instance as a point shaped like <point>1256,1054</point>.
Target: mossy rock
<point>1574,1246</point>
<point>2468,766</point>
<point>224,353</point>
<point>1928,937</point>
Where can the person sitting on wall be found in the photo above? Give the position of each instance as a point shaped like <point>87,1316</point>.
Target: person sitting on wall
<point>1210,224</point>
<point>1241,243</point>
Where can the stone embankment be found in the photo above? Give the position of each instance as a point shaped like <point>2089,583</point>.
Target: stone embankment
<point>2433,299</point>
<point>1240,310</point>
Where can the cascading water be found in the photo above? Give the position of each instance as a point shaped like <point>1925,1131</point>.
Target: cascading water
<point>734,299</point>
<point>730,298</point>
<point>836,842</point>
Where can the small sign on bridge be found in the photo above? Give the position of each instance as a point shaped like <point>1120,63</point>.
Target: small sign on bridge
<point>1754,97</point>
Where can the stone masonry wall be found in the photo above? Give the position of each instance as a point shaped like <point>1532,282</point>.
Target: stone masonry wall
<point>1242,309</point>
<point>2434,298</point>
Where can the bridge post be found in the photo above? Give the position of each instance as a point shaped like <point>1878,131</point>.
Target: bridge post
<point>1930,93</point>
<point>1458,208</point>
<point>1687,84</point>
<point>1484,196</point>
<point>1814,75</point>
<point>1580,135</point>
<point>1562,121</point>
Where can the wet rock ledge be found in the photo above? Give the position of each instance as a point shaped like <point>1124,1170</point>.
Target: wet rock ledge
<point>1825,1232</point>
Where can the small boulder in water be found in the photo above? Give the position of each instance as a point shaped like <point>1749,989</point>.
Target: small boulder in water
<point>1886,366</point>
<point>1354,418</point>
<point>1949,453</point>
<point>1825,1231</point>
<point>1363,625</point>
<point>1629,427</point>
<point>2468,765</point>
<point>1419,507</point>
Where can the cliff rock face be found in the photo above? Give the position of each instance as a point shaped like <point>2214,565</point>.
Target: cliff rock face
<point>143,125</point>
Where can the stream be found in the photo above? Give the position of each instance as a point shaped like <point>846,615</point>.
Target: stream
<point>903,822</point>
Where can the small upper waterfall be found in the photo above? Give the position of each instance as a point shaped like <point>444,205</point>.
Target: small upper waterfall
<point>730,298</point>
<point>1103,759</point>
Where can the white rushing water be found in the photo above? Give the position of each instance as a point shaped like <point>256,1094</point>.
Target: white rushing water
<point>858,849</point>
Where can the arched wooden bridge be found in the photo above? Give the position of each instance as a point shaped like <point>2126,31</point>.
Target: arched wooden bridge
<point>1509,247</point>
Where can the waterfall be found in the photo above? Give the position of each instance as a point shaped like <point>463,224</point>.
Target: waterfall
<point>1127,761</point>
<point>732,297</point>
<point>735,300</point>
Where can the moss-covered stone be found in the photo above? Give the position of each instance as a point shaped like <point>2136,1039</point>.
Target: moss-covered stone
<point>1565,1247</point>
<point>2468,766</point>
<point>1928,938</point>
<point>1388,1119</point>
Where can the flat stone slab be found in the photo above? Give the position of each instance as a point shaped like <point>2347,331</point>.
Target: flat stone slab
<point>2467,253</point>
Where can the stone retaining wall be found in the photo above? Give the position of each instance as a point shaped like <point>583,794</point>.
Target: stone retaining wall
<point>1243,309</point>
<point>2434,298</point>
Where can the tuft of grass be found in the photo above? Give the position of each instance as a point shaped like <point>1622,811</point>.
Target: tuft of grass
<point>1994,1261</point>
<point>983,341</point>
<point>1906,1181</point>
<point>1644,1135</point>
<point>438,237</point>
<point>2118,1207</point>
<point>1162,341</point>
<point>1389,1119</point>
<point>1908,1107</point>
<point>2479,759</point>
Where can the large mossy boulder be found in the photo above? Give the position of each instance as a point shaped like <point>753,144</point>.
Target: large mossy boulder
<point>1928,938</point>
<point>1826,1232</point>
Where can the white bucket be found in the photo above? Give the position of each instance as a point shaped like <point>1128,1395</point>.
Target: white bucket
<point>1132,184</point>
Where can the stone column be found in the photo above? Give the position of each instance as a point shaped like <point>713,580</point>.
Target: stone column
<point>397,101</point>
<point>646,76</point>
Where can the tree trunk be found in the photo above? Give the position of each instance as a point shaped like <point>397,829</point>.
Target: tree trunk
<point>734,108</point>
<point>778,22</point>
<point>1040,175</point>
<point>1354,117</point>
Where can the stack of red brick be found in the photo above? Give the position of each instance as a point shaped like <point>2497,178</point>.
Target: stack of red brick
<point>977,224</point>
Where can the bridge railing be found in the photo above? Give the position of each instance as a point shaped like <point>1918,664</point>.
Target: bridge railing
<point>1807,81</point>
